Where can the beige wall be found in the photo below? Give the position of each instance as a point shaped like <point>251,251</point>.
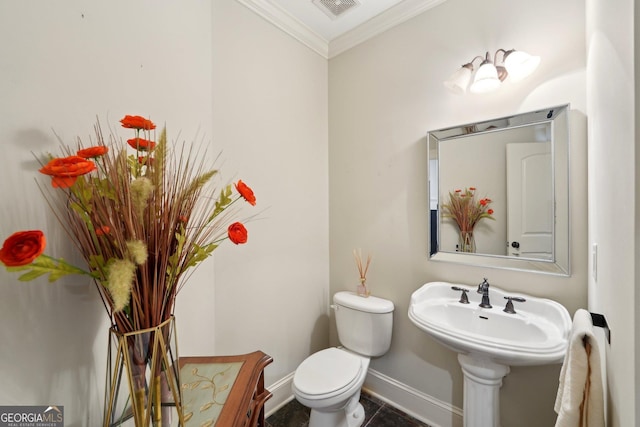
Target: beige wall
<point>270,117</point>
<point>613,213</point>
<point>635,394</point>
<point>384,95</point>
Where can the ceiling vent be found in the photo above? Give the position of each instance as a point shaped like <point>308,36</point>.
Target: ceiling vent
<point>335,8</point>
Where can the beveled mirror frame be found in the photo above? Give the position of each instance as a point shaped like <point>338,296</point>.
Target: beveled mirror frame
<point>557,118</point>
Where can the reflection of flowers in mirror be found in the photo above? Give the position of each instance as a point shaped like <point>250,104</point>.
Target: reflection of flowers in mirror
<point>466,210</point>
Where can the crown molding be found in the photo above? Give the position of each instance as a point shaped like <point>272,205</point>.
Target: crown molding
<point>328,49</point>
<point>290,25</point>
<point>378,24</point>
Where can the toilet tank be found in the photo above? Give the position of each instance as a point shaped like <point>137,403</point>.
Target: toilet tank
<point>364,324</point>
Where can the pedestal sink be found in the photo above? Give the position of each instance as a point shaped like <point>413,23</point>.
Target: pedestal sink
<point>489,340</point>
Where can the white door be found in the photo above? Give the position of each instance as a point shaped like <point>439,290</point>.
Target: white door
<point>530,200</point>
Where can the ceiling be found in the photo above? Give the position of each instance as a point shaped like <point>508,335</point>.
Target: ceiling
<point>313,16</point>
<point>309,22</point>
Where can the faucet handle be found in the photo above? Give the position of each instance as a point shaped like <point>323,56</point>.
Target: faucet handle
<point>464,299</point>
<point>509,307</point>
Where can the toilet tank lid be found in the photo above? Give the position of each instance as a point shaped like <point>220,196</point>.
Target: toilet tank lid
<point>369,304</point>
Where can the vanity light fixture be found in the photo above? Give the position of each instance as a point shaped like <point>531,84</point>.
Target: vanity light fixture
<point>489,75</point>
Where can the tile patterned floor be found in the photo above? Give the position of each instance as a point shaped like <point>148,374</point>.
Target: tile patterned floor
<point>377,414</point>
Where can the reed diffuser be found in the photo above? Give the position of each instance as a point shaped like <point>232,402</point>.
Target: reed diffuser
<point>362,269</point>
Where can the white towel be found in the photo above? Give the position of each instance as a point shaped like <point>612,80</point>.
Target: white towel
<point>580,398</point>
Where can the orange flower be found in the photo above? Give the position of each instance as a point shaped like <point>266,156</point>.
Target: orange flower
<point>22,247</point>
<point>246,192</point>
<point>137,122</point>
<point>103,230</point>
<point>92,152</point>
<point>141,144</point>
<point>64,171</point>
<point>237,233</point>
<point>145,160</point>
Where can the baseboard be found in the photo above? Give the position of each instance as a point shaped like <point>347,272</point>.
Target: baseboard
<point>281,394</point>
<point>419,405</point>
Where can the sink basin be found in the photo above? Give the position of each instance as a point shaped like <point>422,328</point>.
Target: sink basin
<point>536,334</point>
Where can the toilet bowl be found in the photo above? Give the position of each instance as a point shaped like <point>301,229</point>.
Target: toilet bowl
<point>329,381</point>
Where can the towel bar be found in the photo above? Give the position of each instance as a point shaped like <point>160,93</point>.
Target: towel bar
<point>600,321</point>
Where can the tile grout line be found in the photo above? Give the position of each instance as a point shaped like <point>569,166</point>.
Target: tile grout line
<point>380,406</point>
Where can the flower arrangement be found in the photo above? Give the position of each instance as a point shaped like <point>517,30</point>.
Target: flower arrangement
<point>362,270</point>
<point>141,214</point>
<point>466,209</point>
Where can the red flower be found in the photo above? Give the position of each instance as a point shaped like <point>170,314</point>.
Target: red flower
<point>137,122</point>
<point>472,188</point>
<point>64,171</point>
<point>91,152</point>
<point>246,192</point>
<point>237,233</point>
<point>141,144</point>
<point>458,191</point>
<point>490,211</point>
<point>22,247</point>
<point>483,202</point>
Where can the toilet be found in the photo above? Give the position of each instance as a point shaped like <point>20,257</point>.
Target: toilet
<point>330,380</point>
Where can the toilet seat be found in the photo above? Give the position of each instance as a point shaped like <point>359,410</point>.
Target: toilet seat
<point>327,373</point>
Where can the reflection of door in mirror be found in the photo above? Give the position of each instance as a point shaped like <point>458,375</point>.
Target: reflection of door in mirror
<point>530,200</point>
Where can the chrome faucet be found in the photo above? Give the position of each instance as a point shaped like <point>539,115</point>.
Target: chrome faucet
<point>483,288</point>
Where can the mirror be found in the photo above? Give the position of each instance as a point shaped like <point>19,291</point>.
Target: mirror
<point>499,192</point>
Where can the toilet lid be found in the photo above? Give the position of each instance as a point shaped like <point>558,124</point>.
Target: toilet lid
<point>327,371</point>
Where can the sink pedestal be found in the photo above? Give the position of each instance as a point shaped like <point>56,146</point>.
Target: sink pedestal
<point>482,382</point>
